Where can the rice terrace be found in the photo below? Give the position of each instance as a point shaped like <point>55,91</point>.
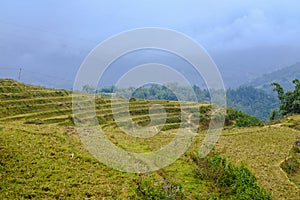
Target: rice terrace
<point>42,157</point>
<point>150,100</point>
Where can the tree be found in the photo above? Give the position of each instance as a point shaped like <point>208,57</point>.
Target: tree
<point>89,89</point>
<point>290,100</point>
<point>252,101</point>
<point>274,115</point>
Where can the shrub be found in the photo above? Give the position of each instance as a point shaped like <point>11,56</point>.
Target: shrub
<point>241,119</point>
<point>146,188</point>
<point>291,166</point>
<point>204,109</point>
<point>233,182</point>
<point>275,115</point>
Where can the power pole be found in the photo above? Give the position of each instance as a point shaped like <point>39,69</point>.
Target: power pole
<point>20,73</point>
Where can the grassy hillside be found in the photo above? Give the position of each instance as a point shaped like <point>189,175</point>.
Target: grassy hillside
<point>41,155</point>
<point>263,150</point>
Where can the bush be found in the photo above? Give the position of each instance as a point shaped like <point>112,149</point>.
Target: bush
<point>291,166</point>
<point>146,188</point>
<point>205,109</point>
<point>275,115</point>
<point>241,119</point>
<point>233,182</point>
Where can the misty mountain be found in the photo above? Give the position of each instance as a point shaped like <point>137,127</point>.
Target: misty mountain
<point>282,76</point>
<point>235,72</point>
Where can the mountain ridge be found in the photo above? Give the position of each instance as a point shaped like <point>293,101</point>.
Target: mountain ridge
<point>283,76</point>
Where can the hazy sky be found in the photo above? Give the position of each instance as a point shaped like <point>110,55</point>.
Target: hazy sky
<point>52,37</point>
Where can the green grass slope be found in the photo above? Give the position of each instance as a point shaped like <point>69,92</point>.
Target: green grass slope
<point>42,157</point>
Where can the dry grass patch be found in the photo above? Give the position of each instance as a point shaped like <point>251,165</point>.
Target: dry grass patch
<point>263,150</point>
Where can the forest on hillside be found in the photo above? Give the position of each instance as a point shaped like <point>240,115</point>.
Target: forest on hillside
<point>252,101</point>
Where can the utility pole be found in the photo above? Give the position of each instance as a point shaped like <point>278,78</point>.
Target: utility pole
<point>20,73</point>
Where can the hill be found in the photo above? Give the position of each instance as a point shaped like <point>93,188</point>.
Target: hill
<point>41,155</point>
<point>252,101</point>
<point>283,76</point>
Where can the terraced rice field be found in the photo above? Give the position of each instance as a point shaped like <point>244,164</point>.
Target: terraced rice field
<point>42,157</point>
<point>48,159</point>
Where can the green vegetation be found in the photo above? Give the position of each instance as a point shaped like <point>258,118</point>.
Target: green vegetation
<point>290,100</point>
<point>241,119</point>
<point>262,149</point>
<point>233,182</point>
<point>147,188</point>
<point>225,181</point>
<point>252,101</point>
<point>275,115</point>
<point>291,165</point>
<point>292,121</point>
<point>42,157</point>
<point>156,92</point>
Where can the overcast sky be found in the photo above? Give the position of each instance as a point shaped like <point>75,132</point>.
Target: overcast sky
<point>52,37</point>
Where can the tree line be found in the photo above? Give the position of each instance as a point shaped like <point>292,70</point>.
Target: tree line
<point>250,100</point>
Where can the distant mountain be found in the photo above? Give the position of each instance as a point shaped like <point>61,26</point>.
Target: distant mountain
<point>283,76</point>
<point>252,101</point>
